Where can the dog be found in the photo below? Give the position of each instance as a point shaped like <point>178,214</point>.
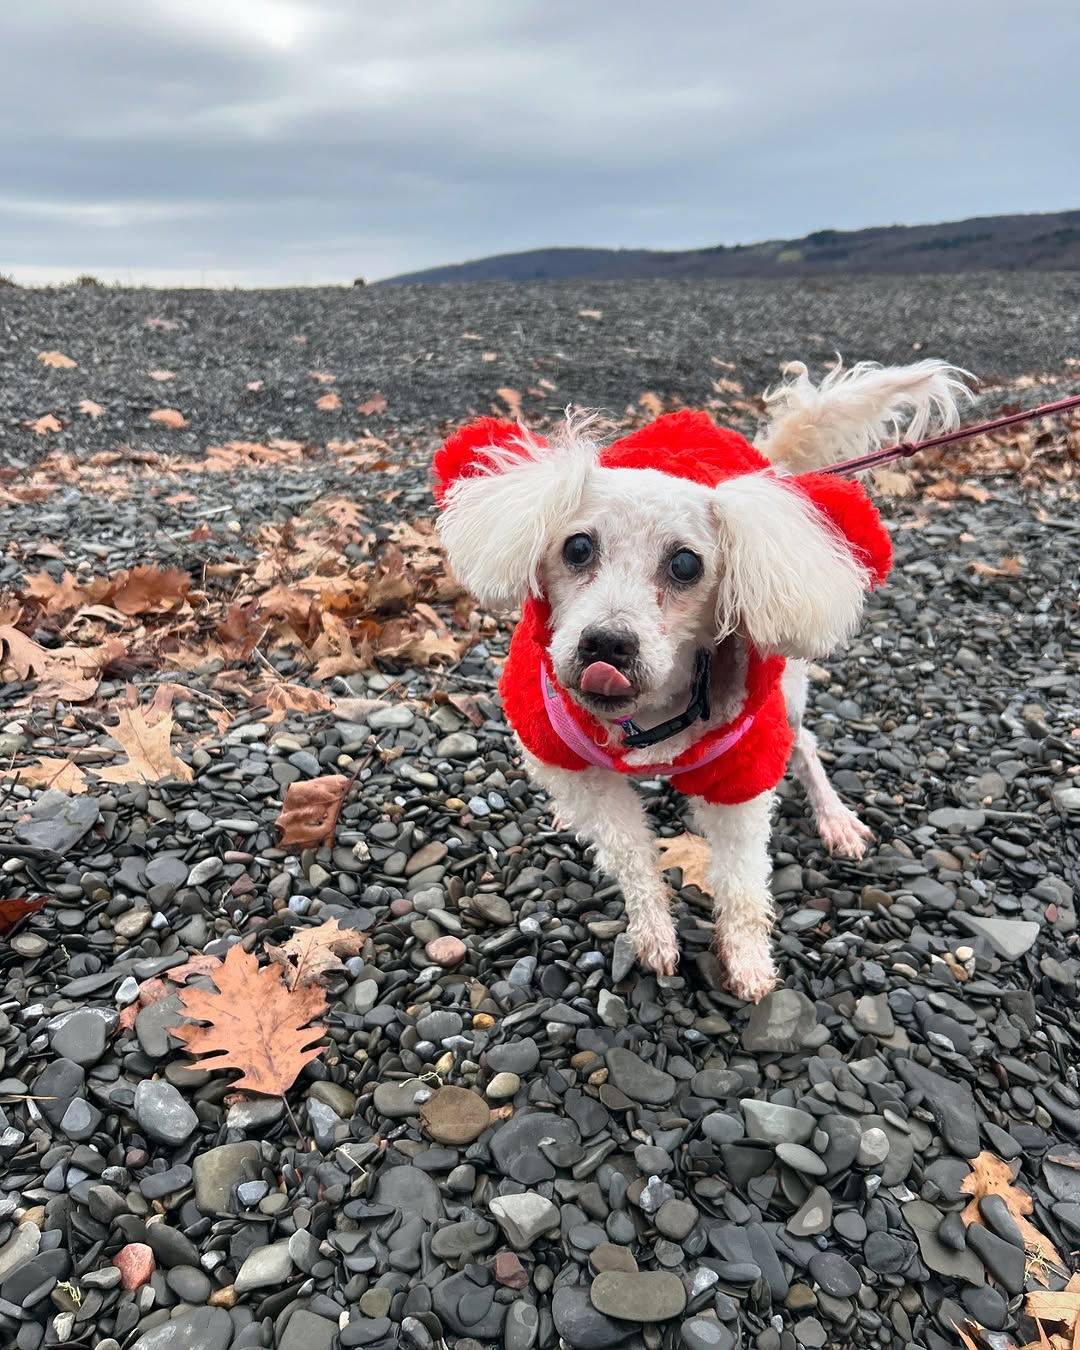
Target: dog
<point>673,588</point>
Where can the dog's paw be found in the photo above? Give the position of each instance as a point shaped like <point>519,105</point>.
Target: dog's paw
<point>657,947</point>
<point>842,832</point>
<point>750,967</point>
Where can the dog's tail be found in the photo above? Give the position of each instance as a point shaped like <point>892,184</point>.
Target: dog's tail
<point>854,411</point>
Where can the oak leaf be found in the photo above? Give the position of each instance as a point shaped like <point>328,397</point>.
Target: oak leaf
<point>375,404</point>
<point>990,1176</point>
<point>169,417</point>
<point>57,360</point>
<point>689,853</point>
<point>512,399</point>
<point>328,402</point>
<point>309,813</point>
<point>90,408</point>
<point>314,952</point>
<point>161,376</point>
<point>1007,567</point>
<point>22,653</point>
<point>651,403</point>
<point>12,911</point>
<point>283,698</point>
<point>202,963</point>
<point>594,314</point>
<point>43,425</point>
<point>149,754</point>
<point>254,1024</point>
<point>150,590</point>
<point>321,377</point>
<point>62,774</point>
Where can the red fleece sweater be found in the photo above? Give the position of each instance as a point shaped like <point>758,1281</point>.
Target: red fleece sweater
<point>686,445</point>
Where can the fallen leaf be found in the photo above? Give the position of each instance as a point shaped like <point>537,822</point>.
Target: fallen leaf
<point>57,360</point>
<point>965,1339</point>
<point>169,417</point>
<point>321,377</point>
<point>1053,1305</point>
<point>328,402</point>
<point>162,376</point>
<point>149,754</point>
<point>62,774</point>
<point>44,425</point>
<point>22,652</point>
<point>314,952</point>
<point>489,356</point>
<point>375,404</point>
<point>91,409</point>
<point>161,325</point>
<point>512,399</point>
<point>990,1176</point>
<point>309,813</point>
<point>1008,567</point>
<point>202,963</point>
<point>254,386</point>
<point>590,314</point>
<point>150,590</point>
<point>286,698</point>
<point>254,1024</point>
<point>689,853</point>
<point>651,403</point>
<point>12,911</point>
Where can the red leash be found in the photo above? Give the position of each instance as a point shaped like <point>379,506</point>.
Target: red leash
<point>906,448</point>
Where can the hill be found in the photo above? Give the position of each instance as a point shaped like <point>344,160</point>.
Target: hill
<point>985,243</point>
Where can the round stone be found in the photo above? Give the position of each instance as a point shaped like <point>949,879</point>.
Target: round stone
<point>454,1115</point>
<point>648,1296</point>
<point>446,951</point>
<point>502,1086</point>
<point>835,1275</point>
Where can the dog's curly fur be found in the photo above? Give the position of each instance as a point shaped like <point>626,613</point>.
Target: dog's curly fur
<point>784,567</point>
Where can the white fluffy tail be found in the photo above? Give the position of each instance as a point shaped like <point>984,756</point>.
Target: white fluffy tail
<point>852,412</point>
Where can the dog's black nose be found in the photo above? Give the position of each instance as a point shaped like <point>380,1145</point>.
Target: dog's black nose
<point>615,646</point>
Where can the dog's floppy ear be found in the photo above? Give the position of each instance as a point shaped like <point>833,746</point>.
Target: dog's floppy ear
<point>503,494</point>
<point>792,574</point>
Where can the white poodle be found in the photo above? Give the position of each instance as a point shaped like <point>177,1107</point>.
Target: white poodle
<point>664,581</point>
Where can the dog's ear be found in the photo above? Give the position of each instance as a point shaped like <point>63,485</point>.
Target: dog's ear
<point>504,493</point>
<point>856,410</point>
<point>788,577</point>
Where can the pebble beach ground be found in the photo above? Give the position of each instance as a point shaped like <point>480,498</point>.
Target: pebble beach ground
<point>512,1136</point>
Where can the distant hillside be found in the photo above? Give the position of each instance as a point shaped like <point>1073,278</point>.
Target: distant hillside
<point>986,243</point>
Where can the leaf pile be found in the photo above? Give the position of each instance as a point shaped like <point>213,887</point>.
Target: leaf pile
<point>255,1024</point>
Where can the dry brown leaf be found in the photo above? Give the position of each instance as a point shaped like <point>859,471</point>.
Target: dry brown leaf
<point>489,356</point>
<point>309,813</point>
<point>689,853</point>
<point>1053,1305</point>
<point>150,590</point>
<point>321,377</point>
<point>44,425</point>
<point>57,360</point>
<point>63,596</point>
<point>12,911</point>
<point>161,325</point>
<point>1007,567</point>
<point>990,1176</point>
<point>62,774</point>
<point>254,386</point>
<point>22,653</point>
<point>314,952</point>
<point>255,1024</point>
<point>169,417</point>
<point>161,376</point>
<point>282,699</point>
<point>375,404</point>
<point>146,744</point>
<point>347,660</point>
<point>651,403</point>
<point>328,402</point>
<point>90,408</point>
<point>590,314</point>
<point>202,963</point>
<point>512,399</point>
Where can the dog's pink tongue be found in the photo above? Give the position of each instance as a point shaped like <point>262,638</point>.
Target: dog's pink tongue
<point>600,678</point>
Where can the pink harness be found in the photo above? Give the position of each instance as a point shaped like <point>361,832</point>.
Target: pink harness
<point>586,748</point>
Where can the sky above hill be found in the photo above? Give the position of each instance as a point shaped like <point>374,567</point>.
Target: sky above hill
<point>269,142</point>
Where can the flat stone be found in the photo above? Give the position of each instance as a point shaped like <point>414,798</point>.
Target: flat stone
<point>888,1253</point>
<point>518,1057</point>
<point>1009,938</point>
<point>802,1159</point>
<point>217,1171</point>
<point>1002,1259</point>
<point>873,1016</point>
<point>957,820</point>
<point>409,1190</point>
<point>163,1113</point>
<point>21,1246</point>
<point>782,1023</point>
<point>648,1296</point>
<point>264,1267</point>
<point>951,1102</point>
<point>81,1036</point>
<point>306,1331</point>
<point>640,1081</point>
<point>197,1329</point>
<point>467,1238</point>
<point>522,1326</point>
<point>454,1115</point>
<point>705,1333</point>
<point>397,1100</point>
<point>675,1219</point>
<point>523,1218</point>
<point>516,1144</point>
<point>776,1124</point>
<point>835,1275</point>
<point>924,1219</point>
<point>814,1215</point>
<point>57,822</point>
<point>581,1325</point>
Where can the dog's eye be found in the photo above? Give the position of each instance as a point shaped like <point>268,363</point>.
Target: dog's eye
<point>685,566</point>
<point>578,550</point>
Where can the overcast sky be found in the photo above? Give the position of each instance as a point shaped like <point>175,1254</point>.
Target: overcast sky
<point>261,142</point>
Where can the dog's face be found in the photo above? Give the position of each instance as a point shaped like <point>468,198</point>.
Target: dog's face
<point>632,582</point>
<point>641,568</point>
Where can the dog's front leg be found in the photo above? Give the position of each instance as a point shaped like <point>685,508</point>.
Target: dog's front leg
<point>604,809</point>
<point>739,875</point>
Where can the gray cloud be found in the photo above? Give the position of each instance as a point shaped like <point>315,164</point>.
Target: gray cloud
<point>277,141</point>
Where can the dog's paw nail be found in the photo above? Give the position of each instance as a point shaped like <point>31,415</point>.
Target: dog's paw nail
<point>845,834</point>
<point>658,954</point>
<point>752,984</point>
